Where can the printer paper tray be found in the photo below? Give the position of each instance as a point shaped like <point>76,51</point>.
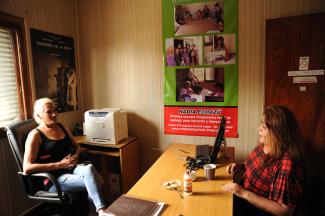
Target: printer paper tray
<point>100,141</point>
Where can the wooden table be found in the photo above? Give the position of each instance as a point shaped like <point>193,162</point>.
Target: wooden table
<point>122,159</point>
<point>207,197</point>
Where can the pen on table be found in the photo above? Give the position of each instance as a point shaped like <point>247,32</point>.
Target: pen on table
<point>186,152</point>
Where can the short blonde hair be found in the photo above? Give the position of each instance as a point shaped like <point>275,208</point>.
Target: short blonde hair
<point>39,107</point>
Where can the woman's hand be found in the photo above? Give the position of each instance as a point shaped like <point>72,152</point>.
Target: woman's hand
<point>235,189</point>
<point>75,156</point>
<point>69,162</point>
<point>234,168</point>
<point>267,205</point>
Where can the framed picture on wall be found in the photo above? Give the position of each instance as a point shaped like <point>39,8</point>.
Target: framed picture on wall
<point>54,69</point>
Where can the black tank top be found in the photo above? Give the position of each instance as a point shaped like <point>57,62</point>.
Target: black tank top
<point>54,150</point>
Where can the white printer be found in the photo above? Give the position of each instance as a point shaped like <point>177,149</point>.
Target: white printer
<point>106,126</point>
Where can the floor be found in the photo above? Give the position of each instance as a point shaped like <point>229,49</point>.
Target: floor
<point>50,209</point>
<point>198,27</point>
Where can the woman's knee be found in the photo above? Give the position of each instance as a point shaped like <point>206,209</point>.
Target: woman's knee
<point>90,169</point>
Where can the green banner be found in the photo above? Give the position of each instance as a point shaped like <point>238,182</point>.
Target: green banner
<point>200,48</point>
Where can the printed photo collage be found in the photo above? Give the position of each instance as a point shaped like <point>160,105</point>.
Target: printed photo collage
<point>199,50</point>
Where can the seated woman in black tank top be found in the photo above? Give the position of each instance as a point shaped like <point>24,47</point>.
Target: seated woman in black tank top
<point>51,148</point>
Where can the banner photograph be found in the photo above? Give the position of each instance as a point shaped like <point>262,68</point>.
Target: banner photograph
<point>200,45</point>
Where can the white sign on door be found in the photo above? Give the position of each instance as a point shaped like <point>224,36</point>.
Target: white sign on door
<point>304,63</point>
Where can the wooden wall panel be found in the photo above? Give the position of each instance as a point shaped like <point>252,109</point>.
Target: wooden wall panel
<point>286,8</point>
<point>119,50</point>
<point>251,74</point>
<point>57,16</point>
<point>15,7</point>
<point>121,66</point>
<point>12,198</point>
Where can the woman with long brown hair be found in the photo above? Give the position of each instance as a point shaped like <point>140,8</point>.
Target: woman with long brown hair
<point>273,177</point>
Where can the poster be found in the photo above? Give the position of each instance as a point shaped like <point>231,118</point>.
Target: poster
<point>54,69</point>
<point>200,48</point>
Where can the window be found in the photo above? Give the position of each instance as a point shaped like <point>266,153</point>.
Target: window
<point>15,97</point>
<point>9,109</point>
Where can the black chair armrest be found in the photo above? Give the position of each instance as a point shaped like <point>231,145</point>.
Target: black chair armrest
<point>61,196</point>
<point>46,194</point>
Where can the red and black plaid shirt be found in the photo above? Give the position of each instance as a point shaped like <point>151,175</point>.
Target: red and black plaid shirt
<point>277,180</point>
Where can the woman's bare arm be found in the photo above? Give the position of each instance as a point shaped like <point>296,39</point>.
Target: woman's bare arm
<point>267,205</point>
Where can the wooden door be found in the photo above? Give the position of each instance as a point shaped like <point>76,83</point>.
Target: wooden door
<point>288,39</point>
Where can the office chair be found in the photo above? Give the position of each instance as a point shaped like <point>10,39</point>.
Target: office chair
<point>17,133</point>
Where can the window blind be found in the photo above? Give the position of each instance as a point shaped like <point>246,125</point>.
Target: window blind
<point>9,109</point>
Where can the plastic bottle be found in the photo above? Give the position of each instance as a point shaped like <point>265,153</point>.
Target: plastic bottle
<point>187,183</point>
